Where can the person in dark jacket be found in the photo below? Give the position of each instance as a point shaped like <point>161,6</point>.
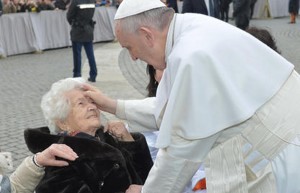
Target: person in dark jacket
<point>196,6</point>
<point>293,10</point>
<point>241,13</point>
<point>43,5</point>
<point>224,9</point>
<point>62,4</point>
<point>1,7</point>
<point>80,17</point>
<point>108,162</point>
<point>252,5</point>
<point>173,4</point>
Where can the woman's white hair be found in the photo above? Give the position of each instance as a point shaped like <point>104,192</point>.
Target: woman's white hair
<point>55,105</point>
<point>158,18</point>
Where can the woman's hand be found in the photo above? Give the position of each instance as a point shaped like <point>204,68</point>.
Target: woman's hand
<point>48,156</point>
<point>118,130</point>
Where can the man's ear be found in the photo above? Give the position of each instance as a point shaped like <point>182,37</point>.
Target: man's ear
<point>148,35</point>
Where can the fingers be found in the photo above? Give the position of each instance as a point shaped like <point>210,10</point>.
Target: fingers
<point>118,130</point>
<point>115,127</point>
<point>49,155</point>
<point>63,151</point>
<point>58,163</point>
<point>87,87</point>
<point>94,94</point>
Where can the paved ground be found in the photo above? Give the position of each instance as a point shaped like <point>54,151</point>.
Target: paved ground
<point>25,78</point>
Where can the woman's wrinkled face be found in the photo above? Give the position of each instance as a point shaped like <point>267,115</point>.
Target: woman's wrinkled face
<point>83,115</point>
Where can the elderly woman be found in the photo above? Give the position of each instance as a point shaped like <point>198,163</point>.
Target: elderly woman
<point>108,161</point>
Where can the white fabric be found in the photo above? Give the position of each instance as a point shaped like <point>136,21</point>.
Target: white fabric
<point>200,174</point>
<point>28,32</point>
<point>138,113</point>
<point>207,88</point>
<point>86,6</point>
<point>224,167</point>
<point>156,176</point>
<point>286,170</point>
<point>270,147</point>
<point>133,7</point>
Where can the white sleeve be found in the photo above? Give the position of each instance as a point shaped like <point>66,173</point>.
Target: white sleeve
<point>26,177</point>
<point>138,113</point>
<point>175,165</point>
<point>169,174</point>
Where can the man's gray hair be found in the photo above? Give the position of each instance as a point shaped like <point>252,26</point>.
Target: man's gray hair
<point>158,18</point>
<point>55,105</point>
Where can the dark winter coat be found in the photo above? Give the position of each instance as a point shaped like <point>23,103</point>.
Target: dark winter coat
<point>80,17</point>
<point>294,6</point>
<point>103,166</point>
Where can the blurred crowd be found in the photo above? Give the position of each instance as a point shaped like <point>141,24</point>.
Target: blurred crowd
<point>17,6</point>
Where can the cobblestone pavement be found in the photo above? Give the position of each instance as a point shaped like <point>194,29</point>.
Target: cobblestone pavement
<point>25,78</point>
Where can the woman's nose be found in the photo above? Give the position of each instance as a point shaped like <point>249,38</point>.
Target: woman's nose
<point>92,107</point>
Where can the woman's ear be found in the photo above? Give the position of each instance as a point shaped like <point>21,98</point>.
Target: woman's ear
<point>62,125</point>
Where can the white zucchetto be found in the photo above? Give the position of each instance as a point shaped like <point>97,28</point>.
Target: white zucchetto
<point>133,7</point>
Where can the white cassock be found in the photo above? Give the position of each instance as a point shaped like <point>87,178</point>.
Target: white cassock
<point>227,100</point>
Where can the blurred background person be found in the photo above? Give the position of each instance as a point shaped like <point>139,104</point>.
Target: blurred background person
<point>194,6</point>
<point>173,4</point>
<point>206,7</point>
<point>224,9</point>
<point>213,8</point>
<point>62,4</point>
<point>241,13</point>
<point>252,4</point>
<point>80,17</point>
<point>293,10</point>
<point>1,7</point>
<point>9,7</point>
<point>45,5</point>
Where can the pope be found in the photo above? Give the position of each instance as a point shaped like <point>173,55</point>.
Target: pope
<point>225,100</point>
